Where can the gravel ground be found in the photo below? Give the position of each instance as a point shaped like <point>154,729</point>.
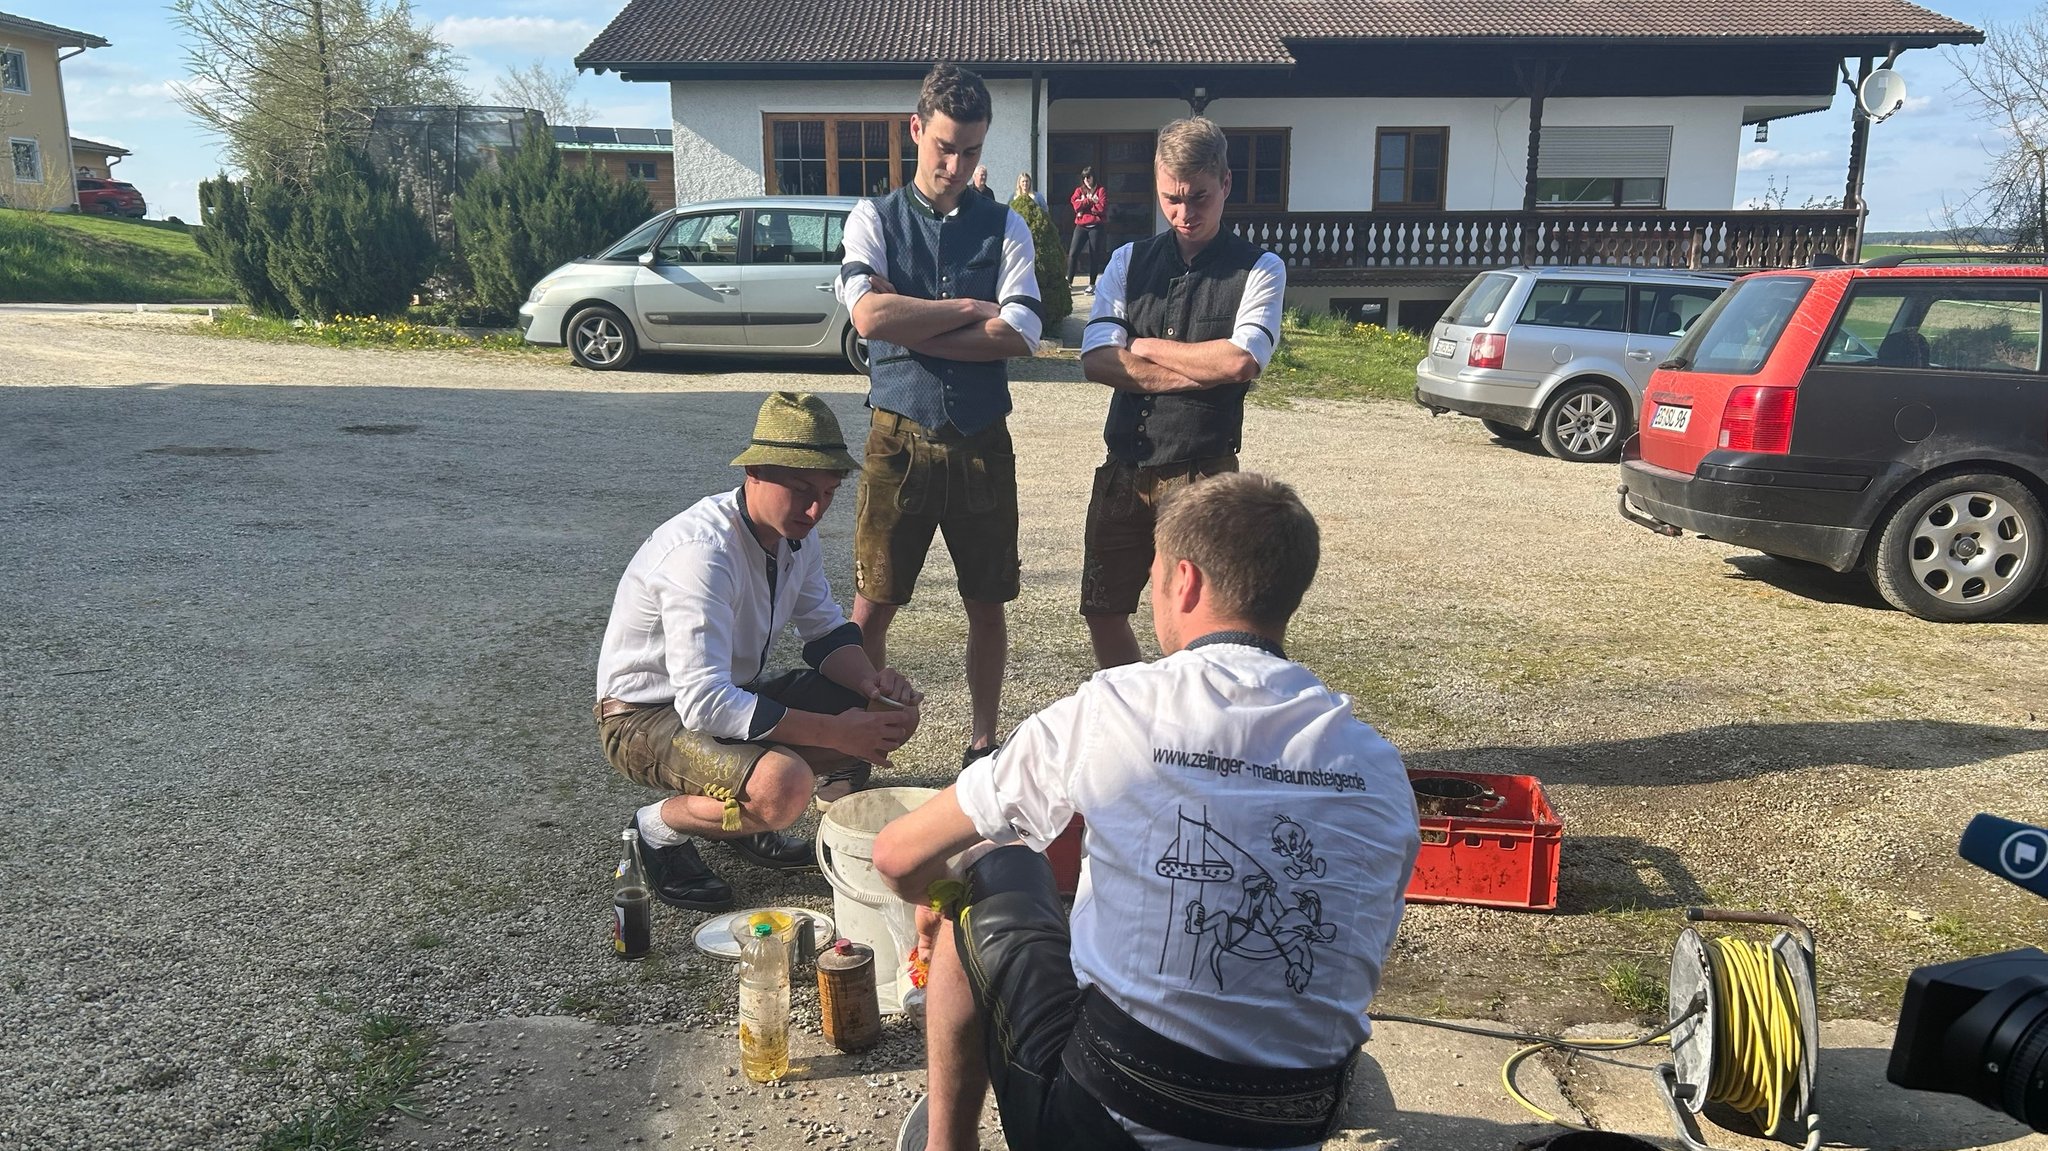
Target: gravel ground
<point>296,648</point>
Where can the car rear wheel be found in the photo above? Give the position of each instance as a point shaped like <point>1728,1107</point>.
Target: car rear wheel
<point>1508,432</point>
<point>600,339</point>
<point>1962,548</point>
<point>1585,422</point>
<point>854,349</point>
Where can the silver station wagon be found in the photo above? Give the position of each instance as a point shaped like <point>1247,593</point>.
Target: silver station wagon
<point>1560,353</point>
<point>733,277</point>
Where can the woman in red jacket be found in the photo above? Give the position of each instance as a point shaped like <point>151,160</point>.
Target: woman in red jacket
<point>1089,201</point>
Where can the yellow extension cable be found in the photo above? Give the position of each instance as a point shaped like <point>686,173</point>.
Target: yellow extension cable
<point>1758,1038</point>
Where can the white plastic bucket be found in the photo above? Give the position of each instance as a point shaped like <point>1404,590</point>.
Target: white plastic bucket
<point>866,910</point>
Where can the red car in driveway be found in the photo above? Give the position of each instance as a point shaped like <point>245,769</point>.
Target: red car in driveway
<point>110,198</point>
<point>1891,416</point>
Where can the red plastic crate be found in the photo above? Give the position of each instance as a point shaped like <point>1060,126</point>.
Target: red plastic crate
<point>1503,858</point>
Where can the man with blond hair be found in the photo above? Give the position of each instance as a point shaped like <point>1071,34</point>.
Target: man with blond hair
<point>1182,323</point>
<point>1247,845</point>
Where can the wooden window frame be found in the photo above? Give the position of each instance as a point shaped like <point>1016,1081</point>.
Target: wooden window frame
<point>653,175</point>
<point>25,85</point>
<point>1443,183</point>
<point>831,120</point>
<point>1251,173</point>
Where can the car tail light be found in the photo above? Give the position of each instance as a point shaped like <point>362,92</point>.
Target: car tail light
<point>1758,419</point>
<point>1489,350</point>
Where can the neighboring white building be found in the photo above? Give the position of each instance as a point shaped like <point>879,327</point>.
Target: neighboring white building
<point>1386,151</point>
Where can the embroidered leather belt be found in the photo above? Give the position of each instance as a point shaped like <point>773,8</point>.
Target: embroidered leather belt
<point>1170,1087</point>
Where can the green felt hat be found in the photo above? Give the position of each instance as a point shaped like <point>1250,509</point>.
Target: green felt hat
<point>797,430</point>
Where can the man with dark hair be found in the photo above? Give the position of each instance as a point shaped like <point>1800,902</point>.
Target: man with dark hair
<point>685,704</point>
<point>942,286</point>
<point>1182,323</point>
<point>1246,850</point>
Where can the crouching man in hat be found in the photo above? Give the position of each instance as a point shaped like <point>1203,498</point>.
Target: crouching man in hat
<point>1247,846</point>
<point>685,704</point>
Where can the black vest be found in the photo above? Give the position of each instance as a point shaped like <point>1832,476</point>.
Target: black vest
<point>1168,300</point>
<point>932,258</point>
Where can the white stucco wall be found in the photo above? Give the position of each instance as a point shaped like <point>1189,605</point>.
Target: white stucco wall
<point>718,127</point>
<point>1332,141</point>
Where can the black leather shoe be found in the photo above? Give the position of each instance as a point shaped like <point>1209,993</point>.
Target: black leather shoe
<point>682,879</point>
<point>973,753</point>
<point>776,851</point>
<point>837,785</point>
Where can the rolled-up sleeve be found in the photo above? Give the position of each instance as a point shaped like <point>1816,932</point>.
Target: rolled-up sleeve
<point>694,588</point>
<point>865,254</point>
<point>1018,293</point>
<point>1109,323</point>
<point>1024,793</point>
<point>1257,329</point>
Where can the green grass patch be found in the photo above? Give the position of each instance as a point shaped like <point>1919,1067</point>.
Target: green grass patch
<point>1634,986</point>
<point>1326,357</point>
<point>46,257</point>
<point>377,1074</point>
<point>358,332</point>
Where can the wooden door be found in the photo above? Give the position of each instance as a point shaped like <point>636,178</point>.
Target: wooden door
<point>1123,166</point>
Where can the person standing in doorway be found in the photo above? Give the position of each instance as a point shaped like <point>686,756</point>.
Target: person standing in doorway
<point>942,285</point>
<point>1089,202</point>
<point>1182,323</point>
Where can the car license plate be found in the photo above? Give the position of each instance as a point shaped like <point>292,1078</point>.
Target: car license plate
<point>1444,348</point>
<point>1670,418</point>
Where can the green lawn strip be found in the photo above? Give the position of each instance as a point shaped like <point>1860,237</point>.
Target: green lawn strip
<point>1324,357</point>
<point>376,1075</point>
<point>359,332</point>
<point>48,257</point>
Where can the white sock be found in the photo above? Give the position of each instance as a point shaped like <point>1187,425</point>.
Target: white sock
<point>655,833</point>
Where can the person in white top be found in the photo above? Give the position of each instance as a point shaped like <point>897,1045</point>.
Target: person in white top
<point>684,703</point>
<point>1247,846</point>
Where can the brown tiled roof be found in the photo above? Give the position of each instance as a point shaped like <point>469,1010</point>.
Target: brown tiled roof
<point>686,33</point>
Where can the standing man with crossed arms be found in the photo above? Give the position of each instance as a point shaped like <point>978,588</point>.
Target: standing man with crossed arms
<point>1182,323</point>
<point>943,287</point>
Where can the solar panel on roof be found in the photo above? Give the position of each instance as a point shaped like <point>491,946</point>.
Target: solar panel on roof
<point>637,136</point>
<point>564,134</point>
<point>595,136</point>
<point>665,137</point>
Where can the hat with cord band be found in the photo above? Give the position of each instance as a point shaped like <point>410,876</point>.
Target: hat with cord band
<point>797,430</point>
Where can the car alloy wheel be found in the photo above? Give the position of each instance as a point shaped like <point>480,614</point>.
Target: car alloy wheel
<point>1584,423</point>
<point>599,339</point>
<point>1964,548</point>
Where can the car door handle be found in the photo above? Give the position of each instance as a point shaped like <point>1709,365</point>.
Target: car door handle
<point>724,289</point>
<point>828,288</point>
<point>1644,356</point>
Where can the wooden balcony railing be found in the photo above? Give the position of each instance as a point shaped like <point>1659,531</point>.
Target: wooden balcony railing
<point>1333,243</point>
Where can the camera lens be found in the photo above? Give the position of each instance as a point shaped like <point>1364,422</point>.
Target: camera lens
<point>2004,1040</point>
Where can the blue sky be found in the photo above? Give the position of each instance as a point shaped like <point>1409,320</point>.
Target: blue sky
<point>1930,153</point>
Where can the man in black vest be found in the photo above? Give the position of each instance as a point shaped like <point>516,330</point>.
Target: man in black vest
<point>943,286</point>
<point>1182,323</point>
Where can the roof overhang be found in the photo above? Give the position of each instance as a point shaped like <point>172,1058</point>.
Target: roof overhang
<point>61,37</point>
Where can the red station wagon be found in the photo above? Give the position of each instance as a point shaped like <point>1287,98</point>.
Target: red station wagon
<point>110,198</point>
<point>1891,416</point>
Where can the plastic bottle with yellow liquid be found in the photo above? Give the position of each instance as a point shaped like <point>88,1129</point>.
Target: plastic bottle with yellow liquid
<point>764,1001</point>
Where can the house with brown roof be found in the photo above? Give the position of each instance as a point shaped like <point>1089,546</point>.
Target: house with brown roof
<point>1387,149</point>
<point>33,118</point>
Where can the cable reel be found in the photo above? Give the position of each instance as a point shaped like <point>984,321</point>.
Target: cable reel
<point>1746,1049</point>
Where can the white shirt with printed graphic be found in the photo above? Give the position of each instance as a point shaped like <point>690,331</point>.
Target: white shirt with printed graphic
<point>1247,848</point>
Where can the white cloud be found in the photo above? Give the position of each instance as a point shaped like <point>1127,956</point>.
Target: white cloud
<point>542,34</point>
<point>1771,159</point>
<point>1917,104</point>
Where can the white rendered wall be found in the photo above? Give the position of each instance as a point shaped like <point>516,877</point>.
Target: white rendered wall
<point>718,127</point>
<point>1331,146</point>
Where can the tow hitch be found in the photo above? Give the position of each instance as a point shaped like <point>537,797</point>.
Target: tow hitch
<point>1643,519</point>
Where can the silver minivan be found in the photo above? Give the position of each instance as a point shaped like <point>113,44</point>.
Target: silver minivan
<point>732,276</point>
<point>1560,353</point>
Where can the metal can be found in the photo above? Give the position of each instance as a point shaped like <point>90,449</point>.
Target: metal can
<point>846,996</point>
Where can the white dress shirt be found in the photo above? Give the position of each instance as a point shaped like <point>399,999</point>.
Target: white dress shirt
<point>694,617</point>
<point>1258,310</point>
<point>1019,276</point>
<point>1247,849</point>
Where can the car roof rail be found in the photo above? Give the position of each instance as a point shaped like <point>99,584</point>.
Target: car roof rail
<point>1897,258</point>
